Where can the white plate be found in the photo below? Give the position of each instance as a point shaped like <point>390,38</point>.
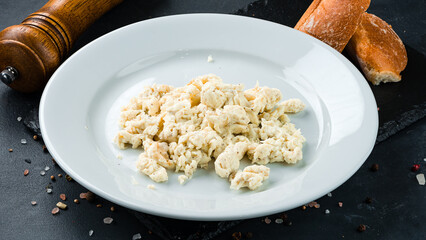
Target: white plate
<point>80,107</point>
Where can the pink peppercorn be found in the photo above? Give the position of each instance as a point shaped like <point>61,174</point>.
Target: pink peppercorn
<point>415,167</point>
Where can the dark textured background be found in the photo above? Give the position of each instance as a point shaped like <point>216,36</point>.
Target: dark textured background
<point>398,210</point>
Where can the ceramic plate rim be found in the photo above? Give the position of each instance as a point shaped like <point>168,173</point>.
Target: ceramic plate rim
<point>189,216</point>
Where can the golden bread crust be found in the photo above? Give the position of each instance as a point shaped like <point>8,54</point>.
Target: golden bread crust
<point>333,21</point>
<point>378,50</point>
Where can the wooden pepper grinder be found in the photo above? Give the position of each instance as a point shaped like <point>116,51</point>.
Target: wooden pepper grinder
<point>31,52</point>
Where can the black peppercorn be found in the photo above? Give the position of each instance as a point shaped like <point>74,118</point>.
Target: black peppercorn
<point>361,228</point>
<point>236,236</point>
<point>375,167</point>
<point>90,197</point>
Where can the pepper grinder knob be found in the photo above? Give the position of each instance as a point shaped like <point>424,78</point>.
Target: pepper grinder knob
<point>9,75</point>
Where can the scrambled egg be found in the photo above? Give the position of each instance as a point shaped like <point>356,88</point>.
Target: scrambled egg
<point>184,128</point>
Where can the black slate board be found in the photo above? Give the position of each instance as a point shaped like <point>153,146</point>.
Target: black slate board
<point>400,103</point>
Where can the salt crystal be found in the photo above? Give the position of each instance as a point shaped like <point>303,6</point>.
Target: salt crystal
<point>210,59</point>
<point>63,197</point>
<point>267,220</point>
<point>49,190</point>
<point>150,186</point>
<point>19,119</point>
<point>119,156</point>
<point>421,178</point>
<point>279,220</point>
<point>108,220</point>
<point>90,232</point>
<point>137,236</point>
<point>33,203</point>
<point>23,141</point>
<point>329,194</point>
<point>42,173</point>
<point>55,210</point>
<point>424,159</point>
<point>327,211</point>
<point>61,205</point>
<point>46,168</point>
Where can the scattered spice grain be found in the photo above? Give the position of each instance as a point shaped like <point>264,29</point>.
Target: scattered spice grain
<point>303,207</point>
<point>55,210</point>
<point>249,235</point>
<point>27,161</point>
<point>10,150</point>
<point>35,137</point>
<point>98,205</point>
<point>59,175</point>
<point>63,196</point>
<point>137,236</point>
<point>33,203</point>
<point>421,179</point>
<point>415,167</point>
<point>90,197</point>
<point>112,209</point>
<point>267,220</point>
<point>76,201</point>
<point>375,167</point>
<point>61,205</point>
<point>26,171</point>
<point>361,228</point>
<point>108,220</point>
<point>340,204</point>
<point>44,148</point>
<point>368,200</point>
<point>237,236</point>
<point>52,178</point>
<point>68,177</point>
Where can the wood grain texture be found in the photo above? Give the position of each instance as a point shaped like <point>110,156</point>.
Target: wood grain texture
<point>44,39</point>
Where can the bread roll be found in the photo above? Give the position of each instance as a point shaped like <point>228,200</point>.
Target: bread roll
<point>378,50</point>
<point>333,21</point>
